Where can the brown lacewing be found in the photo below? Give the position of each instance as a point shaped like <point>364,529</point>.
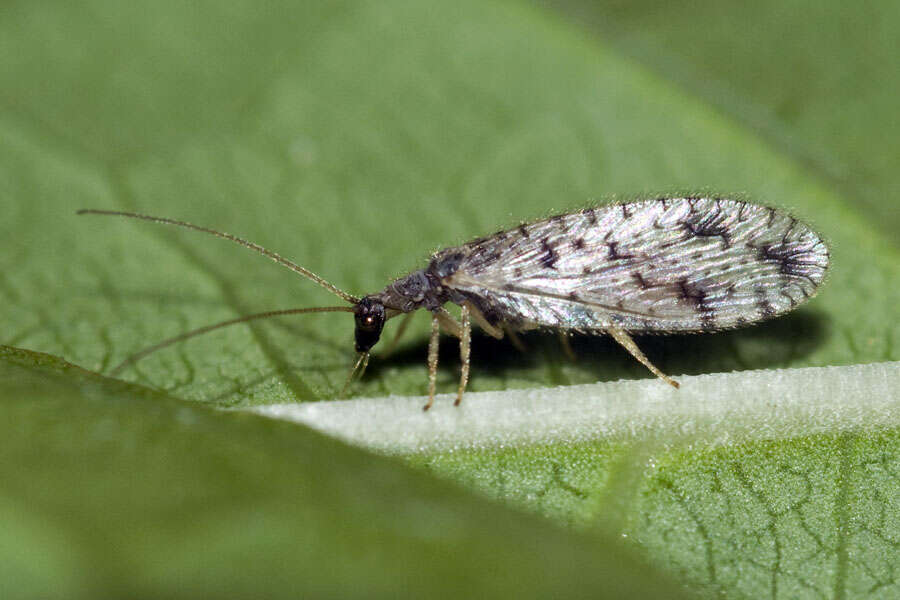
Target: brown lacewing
<point>669,265</point>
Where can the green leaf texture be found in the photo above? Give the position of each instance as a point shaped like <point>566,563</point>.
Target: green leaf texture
<point>112,490</point>
<point>356,138</point>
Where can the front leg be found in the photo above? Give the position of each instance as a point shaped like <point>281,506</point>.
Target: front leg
<point>400,331</point>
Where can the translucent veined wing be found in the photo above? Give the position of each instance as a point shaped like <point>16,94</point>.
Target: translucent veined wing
<point>670,264</point>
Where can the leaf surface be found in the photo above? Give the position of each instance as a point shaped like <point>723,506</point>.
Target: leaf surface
<point>356,138</point>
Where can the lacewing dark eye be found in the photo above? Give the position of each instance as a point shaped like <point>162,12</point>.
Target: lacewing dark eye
<point>370,317</point>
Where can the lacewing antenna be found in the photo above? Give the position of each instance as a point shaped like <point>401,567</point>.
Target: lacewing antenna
<point>201,330</point>
<point>227,236</point>
<point>264,315</point>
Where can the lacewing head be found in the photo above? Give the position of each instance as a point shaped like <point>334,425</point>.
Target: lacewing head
<point>370,316</point>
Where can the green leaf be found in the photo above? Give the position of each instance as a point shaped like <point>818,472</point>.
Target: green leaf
<point>356,143</point>
<point>803,499</point>
<point>355,138</point>
<point>818,80</point>
<point>112,490</point>
<point>811,517</point>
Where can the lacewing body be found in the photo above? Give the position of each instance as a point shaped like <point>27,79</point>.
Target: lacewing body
<point>669,265</point>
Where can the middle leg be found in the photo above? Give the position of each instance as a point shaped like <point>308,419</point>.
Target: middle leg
<point>465,347</point>
<point>462,329</point>
<point>432,359</point>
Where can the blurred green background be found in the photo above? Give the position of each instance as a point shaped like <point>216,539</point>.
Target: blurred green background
<point>356,138</point>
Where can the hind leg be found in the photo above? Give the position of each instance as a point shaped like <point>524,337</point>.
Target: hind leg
<point>626,342</point>
<point>464,351</point>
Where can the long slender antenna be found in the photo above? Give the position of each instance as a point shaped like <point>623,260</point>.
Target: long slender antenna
<point>274,256</point>
<point>201,330</point>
